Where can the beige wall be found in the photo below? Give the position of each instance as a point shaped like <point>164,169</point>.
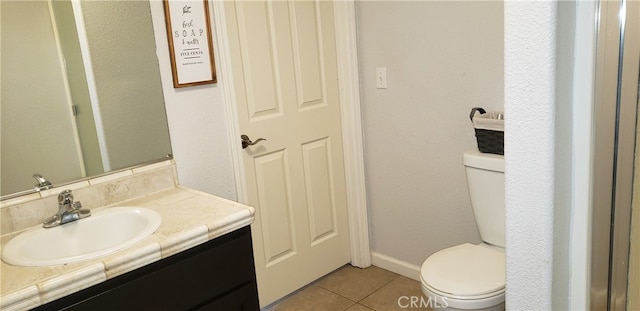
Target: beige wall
<point>442,59</point>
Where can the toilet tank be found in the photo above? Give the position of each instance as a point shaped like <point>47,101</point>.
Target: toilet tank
<point>485,181</point>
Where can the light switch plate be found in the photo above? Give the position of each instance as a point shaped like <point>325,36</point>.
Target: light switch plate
<point>381,78</point>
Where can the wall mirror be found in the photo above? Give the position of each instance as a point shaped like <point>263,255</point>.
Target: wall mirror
<point>80,91</point>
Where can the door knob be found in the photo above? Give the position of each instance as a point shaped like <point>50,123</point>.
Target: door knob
<point>246,141</point>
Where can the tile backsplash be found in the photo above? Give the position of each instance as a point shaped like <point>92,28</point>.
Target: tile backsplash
<point>29,210</point>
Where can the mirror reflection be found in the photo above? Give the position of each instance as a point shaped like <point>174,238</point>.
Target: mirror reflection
<point>80,90</point>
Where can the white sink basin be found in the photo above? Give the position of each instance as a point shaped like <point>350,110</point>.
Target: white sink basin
<point>105,232</point>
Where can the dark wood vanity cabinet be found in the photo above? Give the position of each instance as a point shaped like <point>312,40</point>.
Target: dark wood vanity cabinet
<point>217,275</point>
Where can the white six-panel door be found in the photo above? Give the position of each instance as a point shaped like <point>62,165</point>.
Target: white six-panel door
<point>286,87</point>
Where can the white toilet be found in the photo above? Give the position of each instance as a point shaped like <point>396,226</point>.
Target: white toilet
<point>468,276</point>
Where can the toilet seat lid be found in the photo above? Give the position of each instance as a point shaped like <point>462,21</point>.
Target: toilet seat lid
<point>465,270</point>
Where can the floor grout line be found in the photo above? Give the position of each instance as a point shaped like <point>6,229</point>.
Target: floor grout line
<point>381,285</point>
<point>378,289</point>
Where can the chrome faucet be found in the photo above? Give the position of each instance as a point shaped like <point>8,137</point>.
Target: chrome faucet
<point>68,211</point>
<point>43,183</point>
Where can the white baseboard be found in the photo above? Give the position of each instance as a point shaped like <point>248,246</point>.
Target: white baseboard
<point>395,265</point>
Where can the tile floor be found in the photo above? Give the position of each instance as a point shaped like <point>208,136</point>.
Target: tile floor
<point>355,289</point>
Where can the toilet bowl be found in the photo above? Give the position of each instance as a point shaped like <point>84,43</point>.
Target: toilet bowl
<point>468,276</point>
<point>465,277</point>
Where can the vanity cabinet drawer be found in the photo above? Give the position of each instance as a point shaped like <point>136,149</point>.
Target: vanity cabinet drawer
<point>234,301</point>
<point>217,273</point>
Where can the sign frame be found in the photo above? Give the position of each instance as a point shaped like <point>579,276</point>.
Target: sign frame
<point>190,42</point>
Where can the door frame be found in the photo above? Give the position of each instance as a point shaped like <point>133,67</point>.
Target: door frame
<point>348,76</point>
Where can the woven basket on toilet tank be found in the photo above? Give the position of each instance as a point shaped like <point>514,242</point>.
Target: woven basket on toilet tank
<point>489,129</point>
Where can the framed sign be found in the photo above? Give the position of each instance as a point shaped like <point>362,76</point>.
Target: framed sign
<point>190,43</point>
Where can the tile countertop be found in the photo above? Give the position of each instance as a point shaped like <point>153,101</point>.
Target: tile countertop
<point>189,218</point>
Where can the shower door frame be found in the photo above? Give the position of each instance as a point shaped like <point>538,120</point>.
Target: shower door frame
<point>615,114</point>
